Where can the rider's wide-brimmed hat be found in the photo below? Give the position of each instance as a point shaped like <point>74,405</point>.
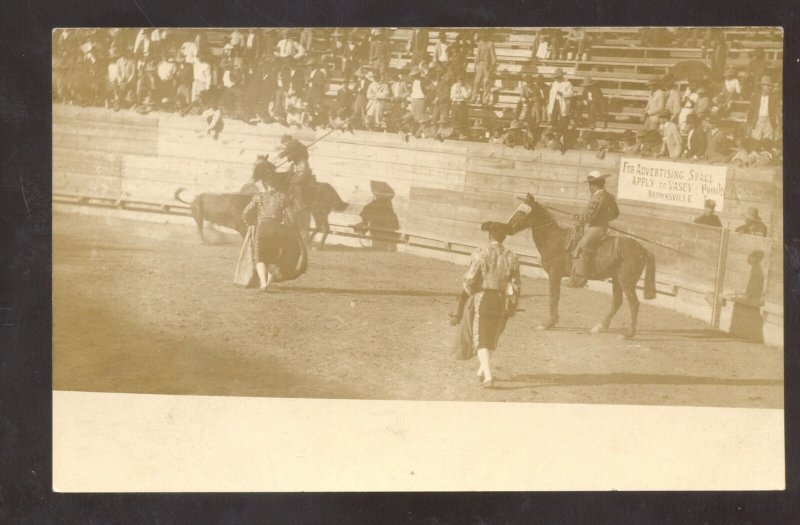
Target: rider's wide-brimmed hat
<point>596,176</point>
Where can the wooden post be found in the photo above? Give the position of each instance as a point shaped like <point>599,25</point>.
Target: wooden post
<point>719,282</point>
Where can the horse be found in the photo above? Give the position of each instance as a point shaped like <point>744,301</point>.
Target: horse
<point>620,258</point>
<point>318,198</point>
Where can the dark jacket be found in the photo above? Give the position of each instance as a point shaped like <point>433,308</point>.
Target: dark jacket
<point>755,104</point>
<point>696,144</point>
<point>708,220</point>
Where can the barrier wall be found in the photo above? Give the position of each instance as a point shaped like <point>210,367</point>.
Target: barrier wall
<point>442,190</point>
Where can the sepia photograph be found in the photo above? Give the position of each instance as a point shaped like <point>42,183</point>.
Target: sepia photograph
<point>373,258</point>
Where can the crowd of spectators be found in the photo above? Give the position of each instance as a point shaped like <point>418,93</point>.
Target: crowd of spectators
<point>287,76</point>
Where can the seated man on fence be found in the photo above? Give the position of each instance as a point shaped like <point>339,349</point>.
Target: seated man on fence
<point>602,209</point>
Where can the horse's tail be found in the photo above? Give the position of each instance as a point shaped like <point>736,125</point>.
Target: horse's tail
<point>178,196</point>
<point>336,202</point>
<point>649,275</point>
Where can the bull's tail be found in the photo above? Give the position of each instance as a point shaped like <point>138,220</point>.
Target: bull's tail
<point>650,276</point>
<point>178,196</point>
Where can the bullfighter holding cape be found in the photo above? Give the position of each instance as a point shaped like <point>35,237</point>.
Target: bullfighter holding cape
<point>272,246</point>
<point>490,296</point>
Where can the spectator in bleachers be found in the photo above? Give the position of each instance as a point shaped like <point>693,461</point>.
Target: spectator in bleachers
<point>560,98</point>
<point>554,38</point>
<point>355,55</point>
<point>141,45</point>
<point>418,45</point>
<point>592,105</point>
<point>531,102</point>
<point>417,95</point>
<point>457,54</point>
<point>379,53</point>
<point>160,40</point>
<point>648,143</point>
<point>485,63</point>
<point>440,51</point>
<point>702,107</point>
<point>124,85</point>
<point>184,76</point>
<point>762,117</point>
<point>202,77</point>
<point>576,48</point>
<point>146,80</point>
<point>317,86</point>
<point>686,111</point>
<point>717,148</point>
<point>695,138</point>
<point>297,109</point>
<point>166,69</point>
<point>708,218</point>
<point>731,89</point>
<point>345,97</point>
<point>673,98</point>
<point>753,224</point>
<point>378,97</point>
<point>627,143</point>
<point>459,95</point>
<point>307,40</point>
<point>288,50</point>
<point>718,52</point>
<point>514,135</point>
<point>672,142</point>
<point>360,101</point>
<point>253,50</point>
<point>655,104</point>
<point>756,68</point>
<point>277,106</point>
<point>441,101</point>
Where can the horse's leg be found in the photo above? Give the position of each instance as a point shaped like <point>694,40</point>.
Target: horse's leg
<point>616,302</point>
<point>633,302</point>
<point>324,226</point>
<point>555,295</point>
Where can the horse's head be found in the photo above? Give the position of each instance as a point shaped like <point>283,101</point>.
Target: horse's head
<point>528,213</point>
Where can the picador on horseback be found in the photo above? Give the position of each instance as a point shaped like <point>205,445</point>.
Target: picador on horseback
<point>302,179</point>
<point>601,210</point>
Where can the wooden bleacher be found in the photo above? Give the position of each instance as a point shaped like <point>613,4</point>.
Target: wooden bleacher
<point>617,61</point>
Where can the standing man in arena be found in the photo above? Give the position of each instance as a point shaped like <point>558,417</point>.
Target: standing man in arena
<point>269,211</point>
<point>602,209</point>
<point>492,283</point>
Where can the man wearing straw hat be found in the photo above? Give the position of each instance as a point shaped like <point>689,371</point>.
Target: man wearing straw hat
<point>762,117</point>
<point>752,224</point>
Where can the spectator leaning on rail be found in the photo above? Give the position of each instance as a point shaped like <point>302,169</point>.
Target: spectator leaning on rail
<point>708,218</point>
<point>752,224</point>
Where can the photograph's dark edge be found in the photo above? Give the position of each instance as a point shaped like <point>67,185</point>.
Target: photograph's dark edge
<point>25,363</point>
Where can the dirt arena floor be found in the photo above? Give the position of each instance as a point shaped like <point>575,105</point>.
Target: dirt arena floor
<point>146,308</point>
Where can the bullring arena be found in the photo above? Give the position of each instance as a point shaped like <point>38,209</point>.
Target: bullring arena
<point>142,306</point>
